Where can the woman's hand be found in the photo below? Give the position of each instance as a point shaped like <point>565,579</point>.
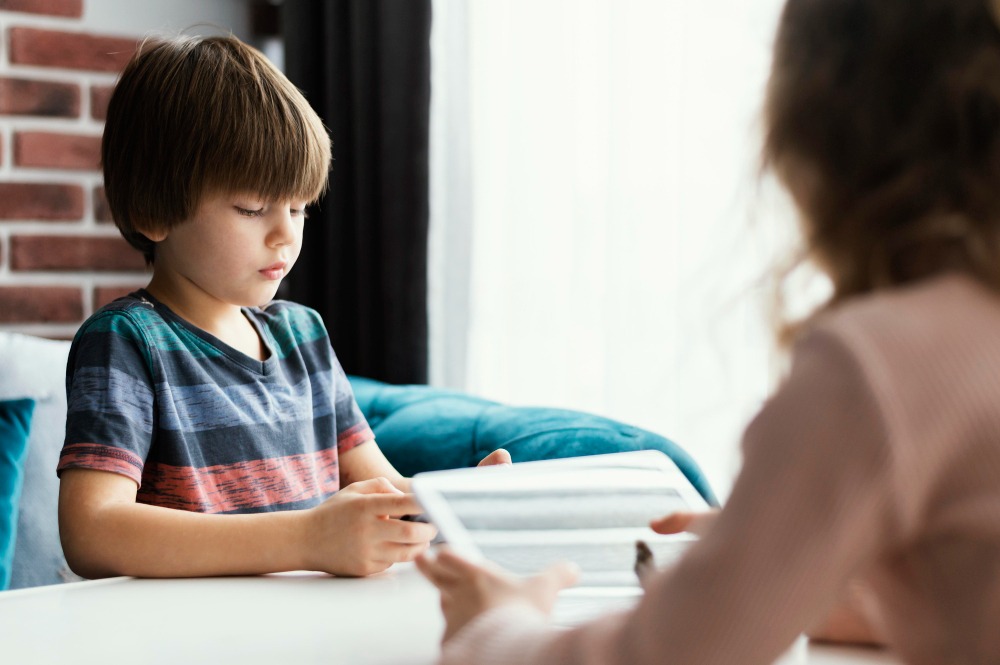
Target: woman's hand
<point>847,622</point>
<point>468,589</point>
<point>696,523</point>
<point>498,457</point>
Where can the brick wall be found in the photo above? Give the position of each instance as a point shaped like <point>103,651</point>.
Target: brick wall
<point>60,255</point>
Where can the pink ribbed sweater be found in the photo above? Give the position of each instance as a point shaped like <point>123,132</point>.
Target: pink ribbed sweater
<point>878,460</point>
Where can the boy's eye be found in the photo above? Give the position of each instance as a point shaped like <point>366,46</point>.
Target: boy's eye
<point>249,213</point>
<point>300,212</point>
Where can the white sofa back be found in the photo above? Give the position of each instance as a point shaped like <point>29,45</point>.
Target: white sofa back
<point>36,368</point>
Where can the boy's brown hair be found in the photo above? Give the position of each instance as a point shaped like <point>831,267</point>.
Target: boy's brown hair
<point>196,115</point>
<point>883,117</point>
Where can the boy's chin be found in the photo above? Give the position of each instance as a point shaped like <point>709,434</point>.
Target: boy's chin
<point>257,300</point>
<point>265,297</point>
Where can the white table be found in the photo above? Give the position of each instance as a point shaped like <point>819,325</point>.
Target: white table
<point>388,619</point>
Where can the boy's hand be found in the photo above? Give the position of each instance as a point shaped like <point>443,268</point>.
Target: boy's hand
<point>469,589</point>
<point>497,458</point>
<point>358,532</point>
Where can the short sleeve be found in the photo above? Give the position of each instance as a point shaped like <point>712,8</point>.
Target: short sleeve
<point>110,393</point>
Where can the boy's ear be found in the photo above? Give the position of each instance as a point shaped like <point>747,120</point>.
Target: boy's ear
<point>155,235</point>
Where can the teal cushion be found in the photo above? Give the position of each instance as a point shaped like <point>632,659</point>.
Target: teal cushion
<point>15,425</point>
<point>421,428</point>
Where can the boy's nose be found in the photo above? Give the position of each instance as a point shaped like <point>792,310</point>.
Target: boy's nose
<point>283,232</point>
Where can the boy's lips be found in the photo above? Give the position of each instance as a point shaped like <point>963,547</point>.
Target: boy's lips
<point>274,271</point>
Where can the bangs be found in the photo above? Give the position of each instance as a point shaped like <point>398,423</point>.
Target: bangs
<point>259,134</point>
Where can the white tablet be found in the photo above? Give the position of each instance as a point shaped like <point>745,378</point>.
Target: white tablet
<point>588,510</point>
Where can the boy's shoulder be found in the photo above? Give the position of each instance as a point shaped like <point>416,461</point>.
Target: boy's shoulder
<point>289,309</point>
<point>285,312</point>
<point>128,327</point>
<point>292,324</point>
<point>129,313</point>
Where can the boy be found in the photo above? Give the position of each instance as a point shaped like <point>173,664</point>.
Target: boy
<point>207,429</point>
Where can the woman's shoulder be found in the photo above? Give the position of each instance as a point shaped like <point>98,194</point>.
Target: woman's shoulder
<point>928,355</point>
<point>940,313</point>
<point>922,360</point>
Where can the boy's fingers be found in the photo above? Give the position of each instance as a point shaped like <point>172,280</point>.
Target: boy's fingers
<point>395,505</point>
<point>391,553</point>
<point>408,533</point>
<point>496,458</point>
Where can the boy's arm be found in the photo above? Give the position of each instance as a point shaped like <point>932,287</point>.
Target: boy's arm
<point>365,461</point>
<point>105,532</point>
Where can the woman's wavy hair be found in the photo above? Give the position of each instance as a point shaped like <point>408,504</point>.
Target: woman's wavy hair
<point>196,115</point>
<point>883,118</point>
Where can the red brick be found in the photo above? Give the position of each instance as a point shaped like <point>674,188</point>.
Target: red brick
<point>73,8</point>
<point>40,304</point>
<point>102,211</point>
<point>100,95</point>
<point>97,253</point>
<point>31,201</point>
<point>105,294</point>
<point>57,151</point>
<point>73,50</point>
<point>43,98</point>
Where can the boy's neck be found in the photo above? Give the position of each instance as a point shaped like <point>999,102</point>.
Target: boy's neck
<point>220,319</point>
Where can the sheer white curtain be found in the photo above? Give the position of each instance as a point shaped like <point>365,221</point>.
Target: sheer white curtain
<point>597,232</point>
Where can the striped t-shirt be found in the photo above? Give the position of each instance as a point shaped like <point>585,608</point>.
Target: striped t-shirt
<point>201,426</point>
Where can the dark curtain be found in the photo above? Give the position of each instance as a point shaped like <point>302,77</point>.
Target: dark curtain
<point>364,65</point>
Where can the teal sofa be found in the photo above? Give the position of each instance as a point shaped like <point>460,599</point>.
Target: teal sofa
<point>420,428</point>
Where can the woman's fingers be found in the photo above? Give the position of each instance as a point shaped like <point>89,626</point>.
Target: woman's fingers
<point>469,589</point>
<point>696,523</point>
<point>439,575</point>
<point>444,565</point>
<point>559,576</point>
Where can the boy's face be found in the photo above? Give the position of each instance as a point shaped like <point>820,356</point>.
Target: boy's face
<point>234,250</point>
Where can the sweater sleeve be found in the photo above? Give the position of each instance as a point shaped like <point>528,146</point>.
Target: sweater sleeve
<point>808,512</point>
